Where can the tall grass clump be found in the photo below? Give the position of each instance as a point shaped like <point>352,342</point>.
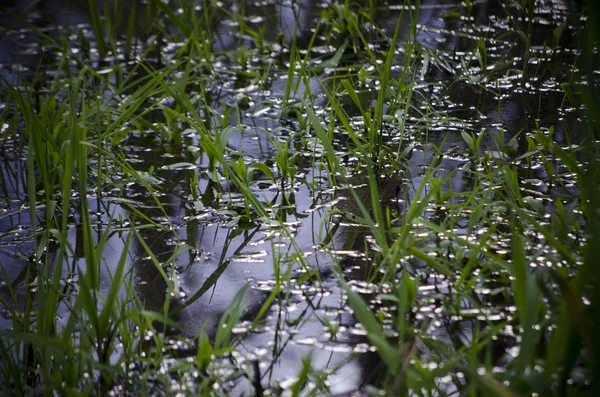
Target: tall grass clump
<point>38,345</point>
<point>489,288</point>
<point>69,334</point>
<point>554,305</point>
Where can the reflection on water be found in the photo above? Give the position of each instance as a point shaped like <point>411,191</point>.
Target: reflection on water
<point>217,260</point>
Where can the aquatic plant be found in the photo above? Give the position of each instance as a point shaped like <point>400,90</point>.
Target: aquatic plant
<point>215,202</point>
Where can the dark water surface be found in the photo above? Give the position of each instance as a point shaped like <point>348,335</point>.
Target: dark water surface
<point>219,259</point>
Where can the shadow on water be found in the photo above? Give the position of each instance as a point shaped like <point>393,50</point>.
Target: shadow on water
<point>219,260</point>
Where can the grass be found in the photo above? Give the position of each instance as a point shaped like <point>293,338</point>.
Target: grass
<point>479,281</point>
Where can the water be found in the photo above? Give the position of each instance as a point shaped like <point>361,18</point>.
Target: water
<point>219,258</point>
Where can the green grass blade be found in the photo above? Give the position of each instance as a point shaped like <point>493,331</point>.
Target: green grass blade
<point>365,316</point>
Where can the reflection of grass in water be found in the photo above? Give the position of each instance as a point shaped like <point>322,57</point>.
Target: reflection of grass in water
<point>481,243</point>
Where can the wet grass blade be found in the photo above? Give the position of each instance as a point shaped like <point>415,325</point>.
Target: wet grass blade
<point>365,316</point>
<point>95,16</point>
<point>110,302</point>
<point>230,319</point>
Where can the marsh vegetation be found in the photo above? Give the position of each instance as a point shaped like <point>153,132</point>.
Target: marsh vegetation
<point>299,197</point>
